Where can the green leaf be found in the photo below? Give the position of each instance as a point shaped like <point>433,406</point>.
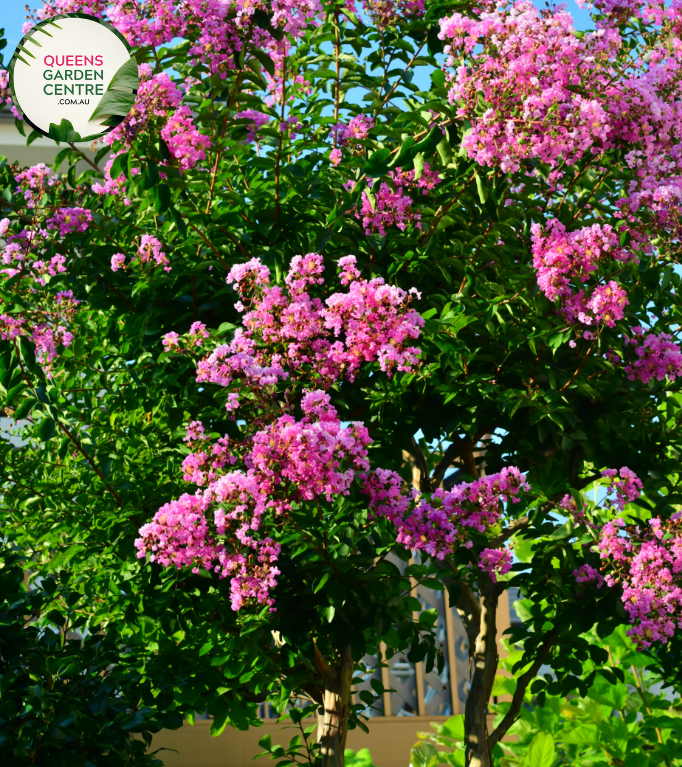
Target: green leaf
<point>482,189</point>
<point>24,409</point>
<point>424,754</point>
<point>12,393</point>
<point>150,177</point>
<point>120,166</point>
<point>418,165</point>
<point>562,532</point>
<point>541,751</point>
<point>267,63</point>
<point>580,734</point>
<point>377,165</point>
<point>63,558</point>
<point>404,156</point>
<point>454,727</point>
<point>46,428</point>
<point>444,152</point>
<point>428,145</point>
<point>321,582</point>
<point>28,354</point>
<point>329,613</point>
<point>114,103</point>
<point>63,132</point>
<point>162,198</point>
<point>221,717</point>
<point>126,76</point>
<point>438,78</point>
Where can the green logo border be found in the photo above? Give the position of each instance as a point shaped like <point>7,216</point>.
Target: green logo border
<point>22,51</point>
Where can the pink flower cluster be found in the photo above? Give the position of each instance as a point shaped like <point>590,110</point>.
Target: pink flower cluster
<point>437,526</point>
<point>291,331</point>
<point>606,304</point>
<point>561,258</point>
<point>527,64</point>
<point>6,93</point>
<point>184,141</point>
<point>344,134</point>
<point>34,182</point>
<point>249,485</point>
<point>156,97</point>
<point>148,252</point>
<point>496,562</point>
<point>588,574</point>
<point>306,454</point>
<point>552,96</point>
<point>647,564</point>
<point>655,356</point>
<point>385,13</point>
<point>28,260</point>
<point>196,336</point>
<point>625,484</point>
<point>46,338</point>
<point>253,120</point>
<point>69,220</point>
<point>392,206</point>
<point>288,461</point>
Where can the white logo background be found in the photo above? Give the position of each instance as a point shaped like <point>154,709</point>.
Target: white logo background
<point>77,37</point>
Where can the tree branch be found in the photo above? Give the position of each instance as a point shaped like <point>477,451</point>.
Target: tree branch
<point>422,466</point>
<point>79,447</point>
<point>84,156</point>
<point>523,681</point>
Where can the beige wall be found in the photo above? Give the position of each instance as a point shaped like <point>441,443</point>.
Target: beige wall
<point>390,740</point>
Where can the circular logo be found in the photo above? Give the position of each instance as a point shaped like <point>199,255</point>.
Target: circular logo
<point>73,77</point>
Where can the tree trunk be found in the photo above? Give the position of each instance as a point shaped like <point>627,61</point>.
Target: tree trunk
<point>484,660</point>
<point>332,724</point>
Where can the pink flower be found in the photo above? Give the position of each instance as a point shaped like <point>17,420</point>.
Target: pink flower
<point>185,142</point>
<point>655,356</point>
<point>254,122</point>
<point>442,523</point>
<point>385,206</point>
<point>150,250</point>
<point>587,574</point>
<point>496,562</point>
<point>198,334</point>
<point>171,342</point>
<point>70,220</point>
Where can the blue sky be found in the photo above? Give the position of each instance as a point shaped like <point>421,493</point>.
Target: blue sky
<point>13,16</point>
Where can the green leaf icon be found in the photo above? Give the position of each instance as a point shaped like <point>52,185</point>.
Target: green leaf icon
<point>63,132</point>
<point>126,76</point>
<point>116,103</point>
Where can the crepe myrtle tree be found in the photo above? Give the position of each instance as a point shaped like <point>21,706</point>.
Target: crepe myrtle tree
<point>327,236</point>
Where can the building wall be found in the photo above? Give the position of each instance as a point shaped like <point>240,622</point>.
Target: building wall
<point>389,741</point>
<point>13,145</point>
